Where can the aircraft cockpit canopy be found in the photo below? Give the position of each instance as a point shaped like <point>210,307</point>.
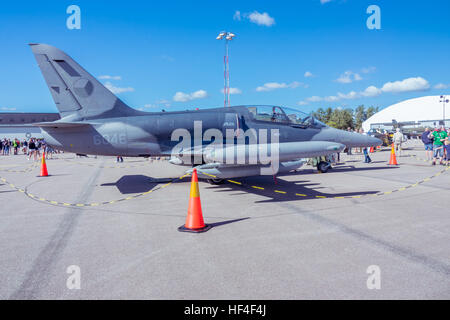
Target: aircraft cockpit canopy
<point>284,115</point>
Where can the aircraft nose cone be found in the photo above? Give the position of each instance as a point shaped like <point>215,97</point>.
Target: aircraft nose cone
<point>354,139</point>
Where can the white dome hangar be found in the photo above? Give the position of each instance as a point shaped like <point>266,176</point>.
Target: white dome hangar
<point>425,111</point>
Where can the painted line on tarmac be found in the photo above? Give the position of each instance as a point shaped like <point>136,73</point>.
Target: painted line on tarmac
<point>29,168</point>
<point>92,204</point>
<point>110,167</point>
<point>311,196</point>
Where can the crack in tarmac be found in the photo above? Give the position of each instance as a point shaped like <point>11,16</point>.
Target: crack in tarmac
<point>38,275</point>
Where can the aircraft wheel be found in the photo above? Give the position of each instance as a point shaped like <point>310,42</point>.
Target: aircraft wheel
<point>215,181</point>
<point>323,166</point>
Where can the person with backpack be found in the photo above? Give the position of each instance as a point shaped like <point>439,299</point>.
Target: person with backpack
<point>427,139</point>
<point>32,148</point>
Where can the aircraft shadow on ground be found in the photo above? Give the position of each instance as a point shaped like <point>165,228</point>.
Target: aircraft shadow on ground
<point>136,183</point>
<point>292,188</point>
<point>346,168</point>
<point>221,223</point>
<point>129,184</point>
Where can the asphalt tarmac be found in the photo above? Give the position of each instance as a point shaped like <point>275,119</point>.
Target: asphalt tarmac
<point>303,235</point>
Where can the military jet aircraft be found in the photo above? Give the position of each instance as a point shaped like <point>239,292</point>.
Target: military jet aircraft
<point>221,142</point>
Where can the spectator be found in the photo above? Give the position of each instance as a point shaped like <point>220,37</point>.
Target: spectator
<point>427,139</point>
<point>25,147</point>
<point>438,144</point>
<point>398,140</point>
<point>365,150</point>
<point>447,150</point>
<point>6,146</point>
<point>32,148</point>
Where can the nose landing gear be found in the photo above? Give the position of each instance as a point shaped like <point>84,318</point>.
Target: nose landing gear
<point>323,166</point>
<point>215,181</point>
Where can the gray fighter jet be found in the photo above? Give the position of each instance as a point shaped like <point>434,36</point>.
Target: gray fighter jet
<point>221,142</point>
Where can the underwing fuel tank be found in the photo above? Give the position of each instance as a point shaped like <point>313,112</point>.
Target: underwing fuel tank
<point>221,171</point>
<point>265,153</point>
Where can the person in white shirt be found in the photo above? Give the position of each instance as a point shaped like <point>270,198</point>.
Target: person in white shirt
<point>398,140</point>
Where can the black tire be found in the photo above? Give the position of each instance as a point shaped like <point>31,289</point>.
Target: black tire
<point>323,166</point>
<point>216,181</point>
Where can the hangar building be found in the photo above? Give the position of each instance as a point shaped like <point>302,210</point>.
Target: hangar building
<point>18,125</point>
<point>414,113</point>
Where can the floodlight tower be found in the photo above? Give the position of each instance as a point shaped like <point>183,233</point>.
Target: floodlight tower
<point>444,100</point>
<point>228,36</point>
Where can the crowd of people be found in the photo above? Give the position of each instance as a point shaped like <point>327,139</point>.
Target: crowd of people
<point>33,148</point>
<point>437,145</point>
<point>436,141</point>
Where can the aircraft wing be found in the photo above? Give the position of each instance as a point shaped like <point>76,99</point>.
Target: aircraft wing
<point>248,160</point>
<point>56,124</point>
<point>271,159</point>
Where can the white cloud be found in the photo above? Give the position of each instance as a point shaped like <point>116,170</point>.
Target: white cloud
<point>117,90</point>
<point>237,16</point>
<point>183,97</point>
<point>406,85</point>
<point>333,98</point>
<point>349,77</point>
<point>368,70</point>
<point>107,77</point>
<point>308,74</point>
<point>262,19</point>
<point>200,94</point>
<point>269,86</point>
<point>441,86</point>
<point>302,103</point>
<point>8,109</point>
<point>347,96</point>
<point>234,91</point>
<point>371,91</point>
<point>325,1</point>
<point>159,104</point>
<point>314,99</point>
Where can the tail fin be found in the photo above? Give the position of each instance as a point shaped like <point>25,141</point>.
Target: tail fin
<point>76,93</point>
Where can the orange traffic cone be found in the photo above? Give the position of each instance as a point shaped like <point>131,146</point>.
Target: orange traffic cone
<point>393,159</point>
<point>194,220</point>
<point>44,172</point>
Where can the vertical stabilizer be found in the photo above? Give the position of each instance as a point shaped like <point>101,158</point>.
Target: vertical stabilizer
<point>76,93</point>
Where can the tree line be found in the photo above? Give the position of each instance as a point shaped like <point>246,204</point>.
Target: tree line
<point>345,118</point>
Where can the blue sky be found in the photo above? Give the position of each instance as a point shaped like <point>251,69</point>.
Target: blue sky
<point>303,54</point>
